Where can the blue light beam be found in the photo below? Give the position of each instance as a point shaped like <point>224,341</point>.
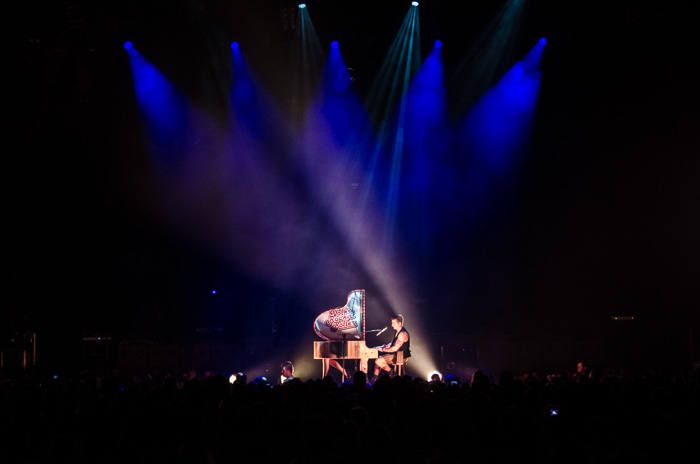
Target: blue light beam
<point>498,127</point>
<point>253,110</point>
<point>342,107</point>
<point>387,103</point>
<point>309,57</point>
<point>163,107</point>
<point>427,134</point>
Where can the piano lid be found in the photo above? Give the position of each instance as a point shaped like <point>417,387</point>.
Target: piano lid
<point>348,320</point>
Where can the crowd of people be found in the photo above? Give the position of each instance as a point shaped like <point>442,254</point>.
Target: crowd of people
<point>579,417</point>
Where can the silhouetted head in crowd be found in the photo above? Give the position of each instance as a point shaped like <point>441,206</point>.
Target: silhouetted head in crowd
<point>359,379</point>
<point>480,381</point>
<point>261,381</point>
<point>505,379</point>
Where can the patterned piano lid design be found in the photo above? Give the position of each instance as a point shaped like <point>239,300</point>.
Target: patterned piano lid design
<point>346,320</point>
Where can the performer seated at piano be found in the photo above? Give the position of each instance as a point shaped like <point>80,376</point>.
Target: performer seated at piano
<point>401,342</point>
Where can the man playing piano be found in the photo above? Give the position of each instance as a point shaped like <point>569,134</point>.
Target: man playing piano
<point>401,342</point>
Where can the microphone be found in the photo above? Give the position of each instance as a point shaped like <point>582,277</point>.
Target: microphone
<point>380,332</point>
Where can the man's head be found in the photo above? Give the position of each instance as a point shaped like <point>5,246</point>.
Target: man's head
<point>397,322</point>
<point>287,368</point>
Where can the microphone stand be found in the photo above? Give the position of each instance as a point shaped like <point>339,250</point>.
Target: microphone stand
<point>342,374</point>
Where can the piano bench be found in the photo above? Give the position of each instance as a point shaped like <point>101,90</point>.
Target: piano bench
<point>400,365</point>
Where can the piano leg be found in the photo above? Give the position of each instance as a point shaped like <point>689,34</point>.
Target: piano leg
<point>363,364</point>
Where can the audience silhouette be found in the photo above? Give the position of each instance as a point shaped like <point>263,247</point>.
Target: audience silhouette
<point>584,416</point>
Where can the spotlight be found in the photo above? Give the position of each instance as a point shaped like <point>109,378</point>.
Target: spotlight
<point>234,45</point>
<point>543,41</point>
<point>414,3</point>
<point>232,378</point>
<point>438,43</point>
<point>334,44</point>
<point>302,5</point>
<point>435,375</point>
<point>128,45</point>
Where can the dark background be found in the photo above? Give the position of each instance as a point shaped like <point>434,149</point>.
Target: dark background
<point>602,222</point>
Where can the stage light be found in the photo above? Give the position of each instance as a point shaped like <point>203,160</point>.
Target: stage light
<point>213,292</point>
<point>302,5</point>
<point>334,44</point>
<point>232,378</point>
<point>433,374</point>
<point>162,105</point>
<point>234,45</point>
<point>438,43</point>
<point>414,3</point>
<point>128,45</point>
<point>543,41</point>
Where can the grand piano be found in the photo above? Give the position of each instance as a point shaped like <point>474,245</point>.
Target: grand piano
<point>343,331</point>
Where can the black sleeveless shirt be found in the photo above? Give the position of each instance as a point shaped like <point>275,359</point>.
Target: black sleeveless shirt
<point>406,347</point>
